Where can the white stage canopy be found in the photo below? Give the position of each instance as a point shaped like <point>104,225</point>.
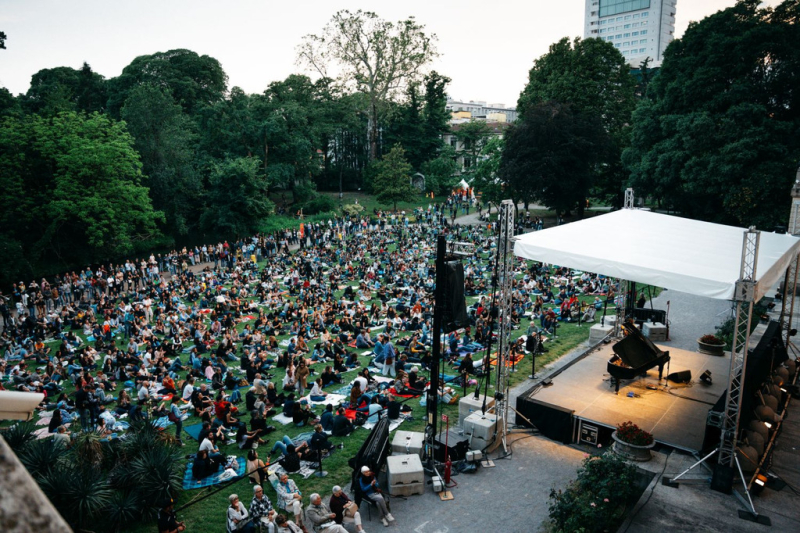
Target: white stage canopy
<point>661,250</point>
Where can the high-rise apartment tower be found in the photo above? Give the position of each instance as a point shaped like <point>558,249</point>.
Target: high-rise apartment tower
<point>638,28</point>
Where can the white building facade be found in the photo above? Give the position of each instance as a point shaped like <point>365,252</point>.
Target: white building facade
<point>638,28</point>
<point>483,111</point>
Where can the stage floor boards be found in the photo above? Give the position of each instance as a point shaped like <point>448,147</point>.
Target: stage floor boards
<point>675,413</point>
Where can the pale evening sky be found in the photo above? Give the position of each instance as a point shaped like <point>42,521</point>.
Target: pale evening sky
<point>486,48</point>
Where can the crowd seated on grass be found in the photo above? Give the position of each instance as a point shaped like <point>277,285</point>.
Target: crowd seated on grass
<point>178,338</point>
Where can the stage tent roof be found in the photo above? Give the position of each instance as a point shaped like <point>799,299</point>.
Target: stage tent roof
<point>665,251</point>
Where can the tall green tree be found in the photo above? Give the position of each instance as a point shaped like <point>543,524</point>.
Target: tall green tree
<point>473,136</point>
<point>550,156</point>
<point>72,190</point>
<point>594,79</point>
<point>487,179</point>
<point>436,117</point>
<point>372,56</point>
<point>238,201</point>
<point>194,80</point>
<point>441,173</point>
<point>165,139</point>
<point>392,178</point>
<point>405,127</point>
<point>718,137</point>
<point>58,89</point>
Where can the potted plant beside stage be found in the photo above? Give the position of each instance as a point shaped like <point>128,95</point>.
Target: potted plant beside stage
<point>711,345</point>
<point>632,442</point>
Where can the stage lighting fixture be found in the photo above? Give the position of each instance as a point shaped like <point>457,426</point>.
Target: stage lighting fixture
<point>769,426</point>
<point>759,485</point>
<point>705,377</point>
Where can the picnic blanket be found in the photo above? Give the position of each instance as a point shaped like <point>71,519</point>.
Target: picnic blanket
<point>393,424</point>
<point>394,392</point>
<point>307,468</point>
<point>189,481</point>
<point>282,418</point>
<point>194,431</point>
<point>331,398</point>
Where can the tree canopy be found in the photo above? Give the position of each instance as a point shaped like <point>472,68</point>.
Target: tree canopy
<point>72,189</point>
<point>718,136</point>
<point>594,79</point>
<point>392,179</point>
<point>550,156</point>
<point>372,56</point>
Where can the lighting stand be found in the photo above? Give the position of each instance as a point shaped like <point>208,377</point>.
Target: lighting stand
<point>320,472</point>
<point>727,462</point>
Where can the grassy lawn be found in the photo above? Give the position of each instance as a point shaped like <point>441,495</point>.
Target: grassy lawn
<point>370,203</point>
<point>208,515</point>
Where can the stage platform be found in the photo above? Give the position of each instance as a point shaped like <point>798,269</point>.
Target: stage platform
<point>674,413</point>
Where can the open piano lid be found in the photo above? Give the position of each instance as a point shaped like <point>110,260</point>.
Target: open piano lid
<point>635,349</point>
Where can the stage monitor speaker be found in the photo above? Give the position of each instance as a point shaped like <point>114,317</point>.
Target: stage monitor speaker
<point>684,376</point>
<point>455,310</point>
<point>457,446</point>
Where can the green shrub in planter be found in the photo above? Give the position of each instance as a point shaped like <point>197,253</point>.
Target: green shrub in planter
<point>597,499</point>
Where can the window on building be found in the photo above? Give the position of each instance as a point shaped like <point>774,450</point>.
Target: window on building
<point>618,7</point>
<point>618,36</point>
<point>634,34</point>
<point>627,26</point>
<point>636,15</point>
<point>617,45</point>
<point>645,14</point>
<point>643,32</point>
<point>641,50</point>
<point>626,43</point>
<point>603,22</point>
<point>453,141</point>
<point>626,35</point>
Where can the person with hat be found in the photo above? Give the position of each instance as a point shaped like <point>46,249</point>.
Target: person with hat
<point>167,519</point>
<point>369,487</point>
<point>261,510</point>
<point>321,517</point>
<point>345,509</point>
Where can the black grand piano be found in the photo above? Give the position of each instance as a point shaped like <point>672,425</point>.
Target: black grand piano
<point>635,355</point>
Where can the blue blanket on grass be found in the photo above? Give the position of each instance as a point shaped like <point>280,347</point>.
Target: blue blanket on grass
<point>189,481</point>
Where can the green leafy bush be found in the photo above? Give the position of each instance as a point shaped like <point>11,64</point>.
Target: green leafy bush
<point>597,499</point>
<point>321,203</point>
<point>352,210</point>
<point>633,434</point>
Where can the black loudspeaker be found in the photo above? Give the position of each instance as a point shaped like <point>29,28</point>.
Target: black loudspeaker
<point>457,446</point>
<point>455,309</point>
<point>722,479</point>
<point>530,343</point>
<point>684,376</point>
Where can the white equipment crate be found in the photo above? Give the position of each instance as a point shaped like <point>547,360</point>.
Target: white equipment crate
<point>481,426</point>
<point>468,405</point>
<point>404,475</point>
<point>407,442</point>
<point>655,331</point>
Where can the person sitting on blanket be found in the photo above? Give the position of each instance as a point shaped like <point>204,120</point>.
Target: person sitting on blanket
<point>203,466</point>
<point>319,440</point>
<point>345,509</point>
<point>261,510</point>
<point>321,517</point>
<point>291,498</point>
<point>256,469</point>
<point>302,414</point>
<point>317,394</point>
<point>363,340</point>
<point>342,426</point>
<point>238,517</point>
<point>326,420</point>
<point>288,405</point>
<point>373,409</point>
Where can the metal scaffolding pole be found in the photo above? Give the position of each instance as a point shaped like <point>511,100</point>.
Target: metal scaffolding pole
<point>787,301</point>
<point>505,277</point>
<point>744,295</point>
